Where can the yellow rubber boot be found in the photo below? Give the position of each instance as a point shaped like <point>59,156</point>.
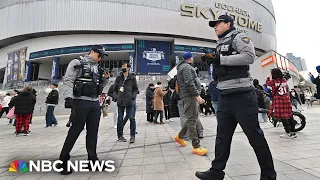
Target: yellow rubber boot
<point>200,151</point>
<point>182,142</point>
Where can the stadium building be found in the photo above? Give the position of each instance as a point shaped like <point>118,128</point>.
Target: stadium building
<point>40,37</point>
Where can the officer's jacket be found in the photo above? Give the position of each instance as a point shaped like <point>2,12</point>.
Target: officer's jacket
<point>244,57</point>
<point>72,73</point>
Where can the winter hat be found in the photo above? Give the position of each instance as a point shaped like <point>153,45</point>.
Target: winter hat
<point>318,69</point>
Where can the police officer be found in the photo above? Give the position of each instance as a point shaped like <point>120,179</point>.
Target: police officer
<point>84,81</point>
<point>237,101</point>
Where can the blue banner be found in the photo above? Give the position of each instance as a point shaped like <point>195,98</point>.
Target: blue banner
<point>78,49</point>
<point>16,66</point>
<point>55,69</point>
<point>191,48</point>
<point>153,57</point>
<point>131,60</point>
<point>27,76</point>
<point>176,58</point>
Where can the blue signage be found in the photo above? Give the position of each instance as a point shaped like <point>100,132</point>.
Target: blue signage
<point>191,48</point>
<point>153,57</point>
<point>27,76</point>
<point>78,49</point>
<point>55,69</point>
<point>131,60</point>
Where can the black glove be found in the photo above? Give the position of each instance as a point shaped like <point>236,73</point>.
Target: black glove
<point>214,59</point>
<point>68,103</point>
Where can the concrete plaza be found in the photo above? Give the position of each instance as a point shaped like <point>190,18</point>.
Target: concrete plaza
<point>156,156</point>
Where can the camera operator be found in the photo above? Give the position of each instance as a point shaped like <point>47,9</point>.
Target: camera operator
<point>237,101</point>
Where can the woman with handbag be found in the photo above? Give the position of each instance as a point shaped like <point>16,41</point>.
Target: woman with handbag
<point>281,104</point>
<point>23,108</point>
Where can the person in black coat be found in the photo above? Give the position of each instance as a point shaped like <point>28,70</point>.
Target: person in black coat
<point>209,102</point>
<point>125,91</point>
<point>51,101</point>
<point>166,102</point>
<point>259,92</point>
<point>149,99</point>
<point>173,104</point>
<point>24,105</point>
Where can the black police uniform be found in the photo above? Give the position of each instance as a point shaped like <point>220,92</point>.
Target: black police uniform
<point>85,81</point>
<point>237,104</point>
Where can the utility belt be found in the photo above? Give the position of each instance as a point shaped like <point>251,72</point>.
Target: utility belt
<point>235,90</point>
<point>86,87</point>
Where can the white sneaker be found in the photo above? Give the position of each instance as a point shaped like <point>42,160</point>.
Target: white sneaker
<point>287,136</point>
<point>170,120</point>
<point>167,121</point>
<point>115,127</point>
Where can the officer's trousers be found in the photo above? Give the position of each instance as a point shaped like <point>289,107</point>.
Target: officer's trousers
<point>241,108</point>
<point>85,112</point>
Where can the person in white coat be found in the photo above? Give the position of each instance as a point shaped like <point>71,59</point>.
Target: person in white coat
<point>5,106</point>
<point>307,96</point>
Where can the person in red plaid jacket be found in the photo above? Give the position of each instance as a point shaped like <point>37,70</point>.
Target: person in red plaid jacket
<point>281,105</point>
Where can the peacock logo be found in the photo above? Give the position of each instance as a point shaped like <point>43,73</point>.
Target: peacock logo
<point>18,166</point>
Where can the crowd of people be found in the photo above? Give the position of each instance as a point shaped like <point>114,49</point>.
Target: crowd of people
<point>19,107</point>
<point>183,96</point>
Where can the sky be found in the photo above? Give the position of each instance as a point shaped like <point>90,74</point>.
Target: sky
<point>298,23</point>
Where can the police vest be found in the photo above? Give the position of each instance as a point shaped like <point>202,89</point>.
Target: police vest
<point>224,73</point>
<point>87,83</point>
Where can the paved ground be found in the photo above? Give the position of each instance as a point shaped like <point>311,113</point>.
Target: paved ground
<point>156,156</point>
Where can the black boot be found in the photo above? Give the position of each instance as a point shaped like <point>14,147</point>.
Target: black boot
<point>65,169</point>
<point>68,124</point>
<point>210,175</point>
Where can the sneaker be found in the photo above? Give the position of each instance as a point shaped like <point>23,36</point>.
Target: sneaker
<point>167,121</point>
<point>26,133</point>
<point>122,139</point>
<point>294,135</point>
<point>200,136</point>
<point>287,136</point>
<point>170,120</point>
<point>115,126</point>
<point>18,134</point>
<point>182,142</point>
<point>200,151</point>
<point>132,140</point>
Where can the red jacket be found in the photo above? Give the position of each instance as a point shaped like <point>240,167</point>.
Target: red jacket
<point>281,104</point>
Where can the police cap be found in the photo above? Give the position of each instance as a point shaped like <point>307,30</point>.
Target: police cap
<point>225,18</point>
<point>100,49</point>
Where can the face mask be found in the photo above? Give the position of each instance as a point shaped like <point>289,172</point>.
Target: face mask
<point>124,70</point>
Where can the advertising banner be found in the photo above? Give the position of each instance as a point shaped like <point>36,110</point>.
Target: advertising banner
<point>131,61</point>
<point>153,57</point>
<point>55,68</point>
<point>16,66</point>
<point>27,76</point>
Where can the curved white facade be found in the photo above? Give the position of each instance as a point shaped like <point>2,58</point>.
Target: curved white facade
<point>48,24</point>
<point>164,17</point>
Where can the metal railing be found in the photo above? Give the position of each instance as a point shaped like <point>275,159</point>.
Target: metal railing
<point>20,85</point>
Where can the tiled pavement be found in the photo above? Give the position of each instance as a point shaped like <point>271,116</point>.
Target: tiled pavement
<point>155,155</point>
